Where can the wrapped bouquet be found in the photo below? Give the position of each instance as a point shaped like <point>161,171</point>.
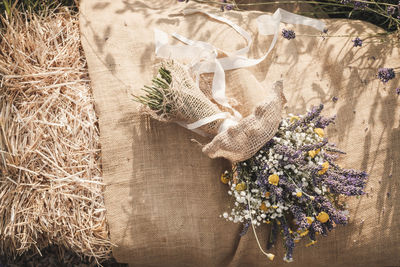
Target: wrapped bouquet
<point>284,172</point>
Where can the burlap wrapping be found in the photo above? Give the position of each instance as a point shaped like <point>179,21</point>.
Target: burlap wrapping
<point>189,103</point>
<point>184,102</point>
<point>163,194</point>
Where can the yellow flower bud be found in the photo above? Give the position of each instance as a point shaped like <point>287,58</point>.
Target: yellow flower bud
<point>311,243</point>
<point>294,118</point>
<point>273,179</point>
<point>240,187</point>
<point>325,167</point>
<point>224,179</point>
<point>310,220</point>
<point>319,131</point>
<point>302,234</point>
<point>263,207</point>
<point>312,153</point>
<point>312,198</point>
<point>323,217</point>
<point>270,256</point>
<point>299,194</point>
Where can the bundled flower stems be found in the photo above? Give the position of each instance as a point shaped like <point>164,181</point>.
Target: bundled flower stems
<point>291,183</point>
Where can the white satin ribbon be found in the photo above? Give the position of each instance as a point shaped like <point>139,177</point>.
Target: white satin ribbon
<point>203,56</point>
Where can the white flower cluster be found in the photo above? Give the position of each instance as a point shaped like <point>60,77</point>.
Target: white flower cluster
<point>261,208</point>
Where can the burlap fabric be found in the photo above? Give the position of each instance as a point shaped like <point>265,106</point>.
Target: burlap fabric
<point>163,194</point>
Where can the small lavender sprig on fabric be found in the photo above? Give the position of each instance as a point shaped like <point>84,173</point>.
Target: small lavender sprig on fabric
<point>293,176</point>
<point>357,42</point>
<point>288,34</point>
<point>386,74</point>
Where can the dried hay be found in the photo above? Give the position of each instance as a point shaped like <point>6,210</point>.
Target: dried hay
<point>51,189</point>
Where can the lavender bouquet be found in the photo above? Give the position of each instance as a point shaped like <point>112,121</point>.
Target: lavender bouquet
<point>293,184</point>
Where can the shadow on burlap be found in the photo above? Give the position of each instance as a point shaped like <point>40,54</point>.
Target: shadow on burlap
<point>163,195</point>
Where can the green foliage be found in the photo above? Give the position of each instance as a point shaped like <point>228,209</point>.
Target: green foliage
<point>374,11</point>
<point>37,6</point>
<point>156,97</point>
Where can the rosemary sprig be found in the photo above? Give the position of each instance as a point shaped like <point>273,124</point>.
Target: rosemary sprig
<point>156,97</point>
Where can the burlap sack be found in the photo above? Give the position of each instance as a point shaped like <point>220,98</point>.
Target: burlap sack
<point>163,194</point>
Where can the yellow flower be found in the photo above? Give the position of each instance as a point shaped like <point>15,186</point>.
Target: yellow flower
<point>311,243</point>
<point>263,207</point>
<point>224,179</point>
<point>323,217</point>
<point>312,198</point>
<point>319,131</point>
<point>302,234</point>
<point>296,240</point>
<point>293,118</point>
<point>313,153</point>
<point>270,256</point>
<point>240,187</point>
<point>268,222</point>
<point>267,194</point>
<point>273,179</point>
<point>310,220</point>
<point>299,194</point>
<point>325,167</point>
<point>275,206</point>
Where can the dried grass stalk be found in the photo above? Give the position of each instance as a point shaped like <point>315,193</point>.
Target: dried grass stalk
<point>51,189</point>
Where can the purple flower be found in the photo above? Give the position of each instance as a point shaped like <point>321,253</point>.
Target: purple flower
<point>398,91</point>
<point>289,242</point>
<point>357,42</point>
<point>288,34</point>
<point>300,217</point>
<point>360,5</point>
<point>324,122</point>
<point>386,74</point>
<point>335,99</point>
<point>229,7</point>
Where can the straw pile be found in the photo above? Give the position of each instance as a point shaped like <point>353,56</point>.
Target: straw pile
<point>51,189</point>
